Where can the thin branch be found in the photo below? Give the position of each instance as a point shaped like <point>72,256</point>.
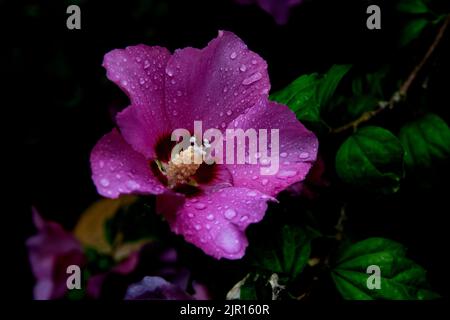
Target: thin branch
<point>340,224</point>
<point>402,92</point>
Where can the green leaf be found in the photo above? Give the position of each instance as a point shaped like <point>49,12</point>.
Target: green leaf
<point>308,94</point>
<point>401,278</point>
<point>374,82</point>
<point>375,245</point>
<point>412,6</point>
<point>372,158</point>
<point>286,253</point>
<point>426,141</point>
<point>296,250</point>
<point>248,291</point>
<point>298,92</point>
<point>367,90</point>
<point>300,96</point>
<point>329,83</point>
<point>412,30</point>
<point>357,105</point>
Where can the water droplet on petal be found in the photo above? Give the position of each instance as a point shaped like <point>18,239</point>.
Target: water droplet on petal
<point>230,214</point>
<point>229,112</point>
<point>253,78</point>
<point>243,68</point>
<point>303,155</point>
<point>132,184</point>
<point>197,227</point>
<point>210,217</point>
<point>243,218</point>
<point>287,173</point>
<point>200,206</point>
<point>228,240</point>
<point>104,182</point>
<point>283,154</point>
<point>233,55</point>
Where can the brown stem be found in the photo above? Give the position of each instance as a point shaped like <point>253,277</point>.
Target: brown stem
<point>340,224</point>
<point>402,92</point>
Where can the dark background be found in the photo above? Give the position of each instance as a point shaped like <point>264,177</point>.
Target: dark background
<point>63,103</point>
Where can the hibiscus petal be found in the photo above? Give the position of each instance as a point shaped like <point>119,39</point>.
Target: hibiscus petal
<point>214,84</point>
<point>139,71</point>
<point>118,169</point>
<point>297,149</point>
<point>215,222</point>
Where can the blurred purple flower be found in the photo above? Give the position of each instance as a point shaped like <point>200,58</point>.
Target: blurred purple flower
<point>52,250</point>
<point>169,280</point>
<point>279,9</point>
<point>157,288</point>
<point>225,85</point>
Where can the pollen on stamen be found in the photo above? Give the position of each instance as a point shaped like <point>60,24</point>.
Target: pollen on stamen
<point>181,168</point>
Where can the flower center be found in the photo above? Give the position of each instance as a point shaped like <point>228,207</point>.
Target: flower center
<point>182,167</point>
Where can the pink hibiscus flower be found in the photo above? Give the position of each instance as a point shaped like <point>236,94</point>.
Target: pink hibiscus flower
<point>224,85</point>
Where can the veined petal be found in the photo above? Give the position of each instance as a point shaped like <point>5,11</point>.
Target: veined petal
<point>297,149</point>
<point>215,222</point>
<point>118,169</point>
<point>214,84</point>
<point>139,72</point>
